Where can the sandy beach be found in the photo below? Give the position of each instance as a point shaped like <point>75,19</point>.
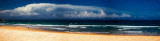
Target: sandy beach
<point>9,33</point>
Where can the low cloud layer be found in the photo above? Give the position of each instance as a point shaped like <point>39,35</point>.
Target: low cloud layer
<point>61,11</point>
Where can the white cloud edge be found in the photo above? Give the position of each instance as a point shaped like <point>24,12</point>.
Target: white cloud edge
<point>30,9</point>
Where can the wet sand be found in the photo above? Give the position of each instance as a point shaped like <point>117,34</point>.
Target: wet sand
<point>10,33</point>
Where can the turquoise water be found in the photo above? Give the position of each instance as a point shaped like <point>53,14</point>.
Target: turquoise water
<point>99,27</point>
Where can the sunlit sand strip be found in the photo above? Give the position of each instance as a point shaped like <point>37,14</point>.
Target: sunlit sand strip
<point>8,33</point>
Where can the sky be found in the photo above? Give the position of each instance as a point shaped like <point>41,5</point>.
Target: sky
<point>80,9</point>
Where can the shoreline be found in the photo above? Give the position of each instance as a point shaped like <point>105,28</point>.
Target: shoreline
<point>29,33</point>
<point>66,32</point>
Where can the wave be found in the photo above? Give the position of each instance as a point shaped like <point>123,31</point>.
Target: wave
<point>101,29</point>
<point>22,24</point>
<point>59,28</point>
<point>133,31</point>
<point>88,32</point>
<point>139,26</point>
<point>83,26</point>
<point>2,24</point>
<point>47,25</point>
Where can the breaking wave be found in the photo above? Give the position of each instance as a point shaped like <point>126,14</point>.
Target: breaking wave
<point>100,29</point>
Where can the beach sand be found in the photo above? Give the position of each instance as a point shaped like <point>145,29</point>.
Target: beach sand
<point>10,33</point>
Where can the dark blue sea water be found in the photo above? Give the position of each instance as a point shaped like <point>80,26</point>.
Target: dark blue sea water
<point>118,27</point>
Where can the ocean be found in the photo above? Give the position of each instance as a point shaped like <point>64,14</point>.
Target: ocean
<point>116,27</point>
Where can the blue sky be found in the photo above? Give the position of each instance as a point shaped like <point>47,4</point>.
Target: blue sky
<point>80,9</point>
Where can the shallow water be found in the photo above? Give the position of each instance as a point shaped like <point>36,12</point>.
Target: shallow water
<point>83,27</point>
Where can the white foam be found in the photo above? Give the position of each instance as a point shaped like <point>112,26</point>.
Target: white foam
<point>47,25</point>
<point>87,32</point>
<point>2,24</point>
<point>120,29</point>
<point>133,31</point>
<point>82,27</point>
<point>59,28</point>
<point>120,26</point>
<point>21,24</point>
<point>139,26</point>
